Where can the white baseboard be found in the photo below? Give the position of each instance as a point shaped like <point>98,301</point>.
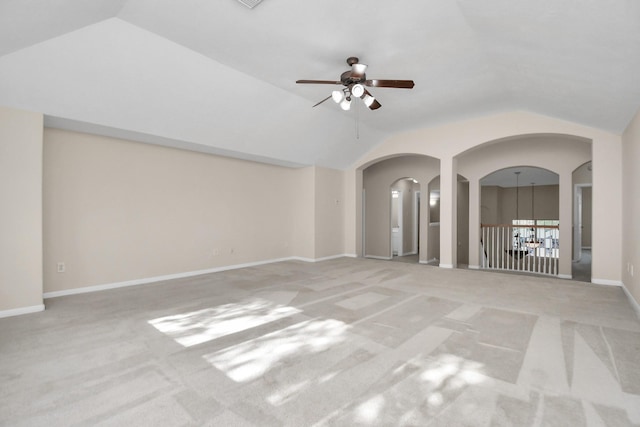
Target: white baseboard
<point>386,258</point>
<point>563,276</point>
<point>441,265</point>
<point>473,267</point>
<point>326,258</point>
<point>632,301</point>
<point>606,282</point>
<point>301,258</point>
<point>21,310</point>
<point>147,280</point>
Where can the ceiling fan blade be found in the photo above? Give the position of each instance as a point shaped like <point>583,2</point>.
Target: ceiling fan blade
<point>319,82</point>
<point>400,84</point>
<point>328,97</point>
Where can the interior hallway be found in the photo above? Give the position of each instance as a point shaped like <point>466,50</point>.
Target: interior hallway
<point>342,342</point>
<point>581,269</point>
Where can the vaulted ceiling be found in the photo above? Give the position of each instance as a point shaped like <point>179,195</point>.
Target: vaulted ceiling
<point>218,77</point>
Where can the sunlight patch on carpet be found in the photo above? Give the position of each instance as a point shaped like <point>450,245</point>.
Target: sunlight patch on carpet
<point>251,359</point>
<point>450,373</point>
<point>200,326</point>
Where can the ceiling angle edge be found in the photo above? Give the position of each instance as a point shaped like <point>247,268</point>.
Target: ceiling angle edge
<point>250,3</point>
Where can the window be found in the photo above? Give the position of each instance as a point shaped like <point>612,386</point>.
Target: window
<point>540,237</point>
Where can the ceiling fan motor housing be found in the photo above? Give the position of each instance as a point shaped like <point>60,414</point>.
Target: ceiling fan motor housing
<point>347,79</point>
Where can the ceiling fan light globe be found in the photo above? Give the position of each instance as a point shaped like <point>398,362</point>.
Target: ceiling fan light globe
<point>359,69</point>
<point>368,100</point>
<point>345,105</point>
<point>357,90</point>
<point>337,96</point>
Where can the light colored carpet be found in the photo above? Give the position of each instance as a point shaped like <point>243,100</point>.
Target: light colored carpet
<point>409,259</point>
<point>343,342</point>
<point>581,269</point>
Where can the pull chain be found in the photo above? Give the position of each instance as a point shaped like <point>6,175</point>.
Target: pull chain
<point>357,120</point>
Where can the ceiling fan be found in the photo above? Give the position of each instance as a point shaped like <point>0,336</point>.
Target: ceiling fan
<point>354,82</point>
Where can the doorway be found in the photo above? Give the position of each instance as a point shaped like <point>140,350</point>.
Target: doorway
<point>378,180</point>
<point>581,265</point>
<point>582,180</point>
<point>405,220</point>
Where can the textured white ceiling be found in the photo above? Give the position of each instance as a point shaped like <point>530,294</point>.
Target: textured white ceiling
<point>218,77</point>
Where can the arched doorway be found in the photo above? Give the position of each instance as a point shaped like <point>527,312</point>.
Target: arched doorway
<point>520,216</point>
<point>553,152</point>
<point>582,195</point>
<point>378,181</point>
<point>405,220</point>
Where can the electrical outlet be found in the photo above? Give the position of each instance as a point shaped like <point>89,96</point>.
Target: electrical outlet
<point>61,267</point>
<point>631,270</point>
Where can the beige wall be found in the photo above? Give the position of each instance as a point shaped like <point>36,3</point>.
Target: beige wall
<point>301,200</point>
<point>499,204</point>
<point>21,213</point>
<point>587,196</point>
<point>463,222</point>
<point>490,211</point>
<point>329,212</point>
<point>352,209</point>
<point>631,208</point>
<point>119,211</point>
<point>583,174</point>
<point>546,199</point>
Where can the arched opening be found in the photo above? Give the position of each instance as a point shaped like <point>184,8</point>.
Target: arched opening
<point>405,220</point>
<point>552,152</point>
<point>520,217</point>
<point>380,182</point>
<point>582,182</point>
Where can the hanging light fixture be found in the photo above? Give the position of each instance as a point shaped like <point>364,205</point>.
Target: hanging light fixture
<point>337,96</point>
<point>344,97</point>
<point>517,195</point>
<point>533,242</point>
<point>369,100</point>
<point>516,250</point>
<point>357,90</point>
<point>346,103</point>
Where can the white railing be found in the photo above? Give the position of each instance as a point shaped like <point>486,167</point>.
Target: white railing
<point>524,248</point>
